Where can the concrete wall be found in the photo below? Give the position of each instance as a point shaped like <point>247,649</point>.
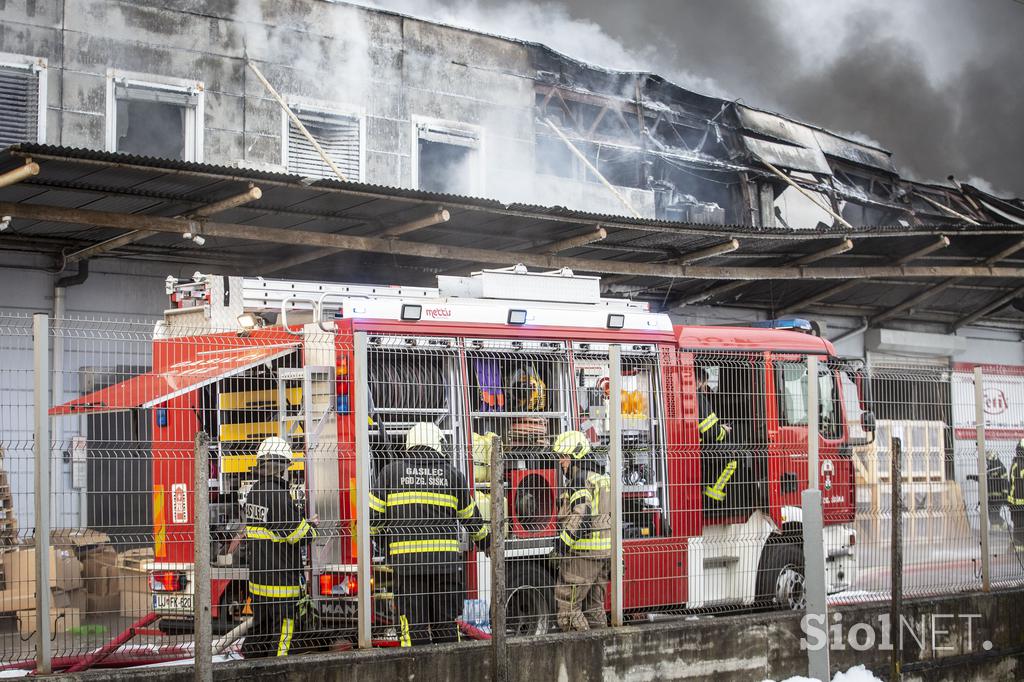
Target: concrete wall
<point>735,648</point>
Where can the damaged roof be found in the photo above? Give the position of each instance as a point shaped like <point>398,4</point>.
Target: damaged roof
<point>86,199</point>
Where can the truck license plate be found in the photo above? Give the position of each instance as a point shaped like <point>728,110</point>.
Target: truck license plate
<point>172,602</point>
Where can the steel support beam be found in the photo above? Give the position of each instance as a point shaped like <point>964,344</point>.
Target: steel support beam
<point>942,286</point>
<point>941,243</point>
<point>447,252</point>
<point>595,235</point>
<point>988,308</point>
<point>841,247</point>
<point>692,257</point>
<point>251,194</point>
<point>435,218</point>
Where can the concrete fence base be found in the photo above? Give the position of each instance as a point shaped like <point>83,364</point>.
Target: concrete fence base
<point>962,638</point>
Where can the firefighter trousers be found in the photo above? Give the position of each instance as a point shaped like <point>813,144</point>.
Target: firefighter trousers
<point>580,592</point>
<point>1017,516</point>
<point>273,626</point>
<point>427,605</point>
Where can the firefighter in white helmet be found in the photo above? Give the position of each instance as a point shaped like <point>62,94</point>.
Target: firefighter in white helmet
<point>275,531</point>
<point>584,541</point>
<point>417,505</point>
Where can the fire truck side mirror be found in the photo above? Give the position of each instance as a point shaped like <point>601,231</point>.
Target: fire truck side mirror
<point>867,421</point>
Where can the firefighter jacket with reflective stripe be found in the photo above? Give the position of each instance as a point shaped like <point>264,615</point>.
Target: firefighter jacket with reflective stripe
<point>1015,491</point>
<point>708,425</point>
<point>416,505</point>
<point>997,480</point>
<point>275,530</point>
<point>584,516</point>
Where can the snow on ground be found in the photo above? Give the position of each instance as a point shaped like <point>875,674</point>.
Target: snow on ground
<point>858,673</point>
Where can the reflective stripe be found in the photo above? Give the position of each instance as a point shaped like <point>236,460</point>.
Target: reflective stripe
<point>721,435</point>
<point>285,641</point>
<point>593,544</point>
<point>416,546</point>
<point>481,534</point>
<point>422,497</point>
<point>717,491</point>
<point>278,591</point>
<point>582,493</point>
<point>300,532</point>
<point>377,504</point>
<point>404,639</point>
<point>707,423</point>
<point>467,511</point>
<point>568,539</point>
<point>261,533</point>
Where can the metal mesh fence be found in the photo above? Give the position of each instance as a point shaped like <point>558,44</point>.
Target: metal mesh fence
<point>711,454</point>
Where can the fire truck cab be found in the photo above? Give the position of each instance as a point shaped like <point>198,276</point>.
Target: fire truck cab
<point>521,355</point>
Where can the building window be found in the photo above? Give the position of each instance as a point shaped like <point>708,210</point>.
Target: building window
<point>22,99</point>
<point>447,159</point>
<point>159,119</point>
<point>339,135</point>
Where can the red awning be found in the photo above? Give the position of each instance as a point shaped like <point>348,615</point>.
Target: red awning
<point>198,368</point>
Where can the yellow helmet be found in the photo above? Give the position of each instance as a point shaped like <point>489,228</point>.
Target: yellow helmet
<point>572,444</point>
<point>424,434</point>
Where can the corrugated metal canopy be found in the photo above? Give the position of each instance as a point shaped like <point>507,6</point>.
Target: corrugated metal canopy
<point>126,185</point>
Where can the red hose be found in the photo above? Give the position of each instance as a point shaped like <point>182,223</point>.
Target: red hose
<point>95,657</point>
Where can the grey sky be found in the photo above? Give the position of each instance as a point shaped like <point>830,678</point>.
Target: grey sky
<point>938,82</point>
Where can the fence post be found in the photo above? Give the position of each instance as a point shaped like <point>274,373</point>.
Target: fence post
<point>499,646</point>
<point>814,541</point>
<point>615,476</point>
<point>896,559</point>
<point>201,551</point>
<point>364,547</point>
<point>40,347</point>
<point>983,529</point>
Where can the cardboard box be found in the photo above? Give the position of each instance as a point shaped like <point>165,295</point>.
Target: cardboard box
<point>133,570</point>
<point>136,604</point>
<point>20,570</point>
<point>100,572</point>
<point>61,620</point>
<point>102,605</point>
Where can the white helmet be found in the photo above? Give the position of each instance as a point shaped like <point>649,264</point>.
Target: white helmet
<point>274,450</point>
<point>424,434</point>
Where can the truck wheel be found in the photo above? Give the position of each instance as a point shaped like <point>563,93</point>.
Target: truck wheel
<point>780,577</point>
<point>529,601</point>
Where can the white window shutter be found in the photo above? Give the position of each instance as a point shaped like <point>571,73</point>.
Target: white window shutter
<point>19,105</point>
<point>338,135</point>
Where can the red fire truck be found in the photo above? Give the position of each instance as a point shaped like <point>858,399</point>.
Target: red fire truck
<point>523,355</point>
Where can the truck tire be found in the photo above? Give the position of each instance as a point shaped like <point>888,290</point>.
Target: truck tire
<point>780,576</point>
<point>529,600</point>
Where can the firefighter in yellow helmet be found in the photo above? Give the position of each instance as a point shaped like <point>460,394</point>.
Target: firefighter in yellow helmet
<point>275,531</point>
<point>417,504</point>
<point>584,537</point>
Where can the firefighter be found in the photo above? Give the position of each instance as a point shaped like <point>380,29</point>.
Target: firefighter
<point>584,543</point>
<point>997,489</point>
<point>275,532</point>
<point>1015,497</point>
<point>417,505</point>
<point>713,434</point>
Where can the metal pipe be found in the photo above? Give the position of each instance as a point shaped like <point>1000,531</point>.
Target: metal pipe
<point>576,242</point>
<point>946,209</point>
<point>251,194</point>
<point>11,177</point>
<point>586,162</point>
<point>979,420</point>
<point>896,557</point>
<point>295,119</point>
<point>994,305</point>
<point>364,598</point>
<point>447,252</point>
<point>813,530</point>
<point>499,645</point>
<point>441,216</point>
<point>789,181</point>
<point>615,477</point>
<point>201,603</point>
<point>42,448</point>
<point>851,332</point>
